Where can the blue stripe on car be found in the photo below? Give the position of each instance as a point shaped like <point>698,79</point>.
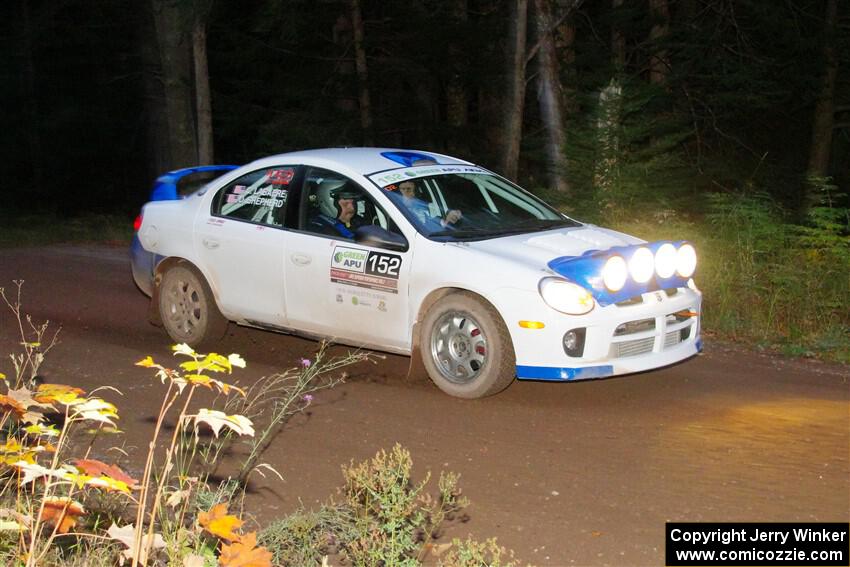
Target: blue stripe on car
<point>555,373</point>
<point>408,159</point>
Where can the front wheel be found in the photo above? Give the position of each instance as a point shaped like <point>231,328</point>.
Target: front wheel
<point>466,348</point>
<point>187,308</point>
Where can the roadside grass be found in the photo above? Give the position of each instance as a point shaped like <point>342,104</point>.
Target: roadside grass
<point>61,505</point>
<point>767,282</point>
<point>20,230</point>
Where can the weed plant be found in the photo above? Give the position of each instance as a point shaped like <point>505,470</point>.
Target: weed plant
<point>382,517</point>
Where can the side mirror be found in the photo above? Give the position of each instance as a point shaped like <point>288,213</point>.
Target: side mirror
<point>373,235</point>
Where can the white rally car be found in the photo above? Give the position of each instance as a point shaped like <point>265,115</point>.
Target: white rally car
<point>416,253</point>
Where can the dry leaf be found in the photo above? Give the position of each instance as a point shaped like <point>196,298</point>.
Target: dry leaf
<point>96,468</point>
<point>8,404</point>
<point>245,553</point>
<point>193,560</point>
<point>62,513</point>
<point>218,419</point>
<point>49,393</point>
<point>176,498</point>
<point>126,535</point>
<point>219,523</point>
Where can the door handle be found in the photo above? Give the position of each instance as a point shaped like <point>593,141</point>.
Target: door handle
<point>301,260</point>
<point>210,243</point>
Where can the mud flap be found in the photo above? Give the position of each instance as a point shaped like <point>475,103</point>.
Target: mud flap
<point>416,372</point>
<point>154,317</point>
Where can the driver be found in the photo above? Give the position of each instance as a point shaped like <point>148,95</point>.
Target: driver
<point>337,211</point>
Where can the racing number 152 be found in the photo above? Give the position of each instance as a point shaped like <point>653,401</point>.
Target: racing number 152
<point>383,264</point>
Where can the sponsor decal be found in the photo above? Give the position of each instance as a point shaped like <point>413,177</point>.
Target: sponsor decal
<point>360,297</point>
<point>215,221</point>
<point>267,196</point>
<point>361,268</point>
<point>281,176</point>
<point>390,177</point>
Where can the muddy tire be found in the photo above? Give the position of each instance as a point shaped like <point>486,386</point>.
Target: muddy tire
<point>187,308</point>
<point>466,348</point>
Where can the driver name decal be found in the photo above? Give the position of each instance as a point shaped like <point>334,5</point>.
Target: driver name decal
<point>361,268</point>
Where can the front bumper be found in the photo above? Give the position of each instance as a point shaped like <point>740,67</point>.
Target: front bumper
<point>654,330</point>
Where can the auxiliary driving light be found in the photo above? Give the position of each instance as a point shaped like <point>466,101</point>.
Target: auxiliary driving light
<point>686,260</point>
<point>615,272</point>
<point>665,260</point>
<point>642,265</point>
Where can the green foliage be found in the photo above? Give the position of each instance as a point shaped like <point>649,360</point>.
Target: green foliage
<point>385,505</point>
<point>305,537</point>
<point>779,282</point>
<point>472,553</point>
<point>766,279</point>
<point>626,157</point>
<point>383,518</point>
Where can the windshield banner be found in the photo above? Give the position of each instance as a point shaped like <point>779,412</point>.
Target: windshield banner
<point>397,175</point>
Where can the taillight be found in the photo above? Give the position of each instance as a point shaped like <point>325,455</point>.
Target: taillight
<point>137,224</point>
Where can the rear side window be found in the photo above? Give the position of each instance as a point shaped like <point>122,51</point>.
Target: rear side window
<point>259,197</point>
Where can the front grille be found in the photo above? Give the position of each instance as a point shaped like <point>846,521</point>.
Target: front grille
<point>632,348</point>
<point>632,327</point>
<point>672,339</point>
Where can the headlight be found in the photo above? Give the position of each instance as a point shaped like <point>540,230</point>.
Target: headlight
<point>565,296</point>
<point>686,260</point>
<point>642,265</point>
<point>665,260</point>
<point>614,273</point>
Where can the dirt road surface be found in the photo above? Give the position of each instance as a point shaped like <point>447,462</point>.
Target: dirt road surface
<point>564,474</point>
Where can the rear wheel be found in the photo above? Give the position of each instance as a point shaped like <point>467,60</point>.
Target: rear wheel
<point>466,348</point>
<point>187,308</point>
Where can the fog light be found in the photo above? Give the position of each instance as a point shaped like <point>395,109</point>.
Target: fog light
<point>574,342</point>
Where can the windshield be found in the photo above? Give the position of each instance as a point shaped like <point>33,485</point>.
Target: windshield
<point>468,206</point>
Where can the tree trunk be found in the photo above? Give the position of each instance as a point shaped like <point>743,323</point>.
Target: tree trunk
<point>171,26</point>
<point>565,45</point>
<point>154,119</point>
<point>824,116</point>
<point>659,62</point>
<point>550,98</point>
<point>30,96</point>
<point>362,74</point>
<point>203,103</point>
<point>618,39</point>
<point>515,99</point>
<point>457,103</point>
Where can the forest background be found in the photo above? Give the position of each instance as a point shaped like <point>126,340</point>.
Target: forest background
<point>726,122</point>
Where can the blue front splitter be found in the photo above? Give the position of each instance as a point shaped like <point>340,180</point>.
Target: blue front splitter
<point>561,374</point>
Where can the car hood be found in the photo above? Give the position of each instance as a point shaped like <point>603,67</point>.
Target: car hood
<point>536,250</point>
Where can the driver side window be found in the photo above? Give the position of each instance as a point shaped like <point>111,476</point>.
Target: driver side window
<point>336,206</point>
